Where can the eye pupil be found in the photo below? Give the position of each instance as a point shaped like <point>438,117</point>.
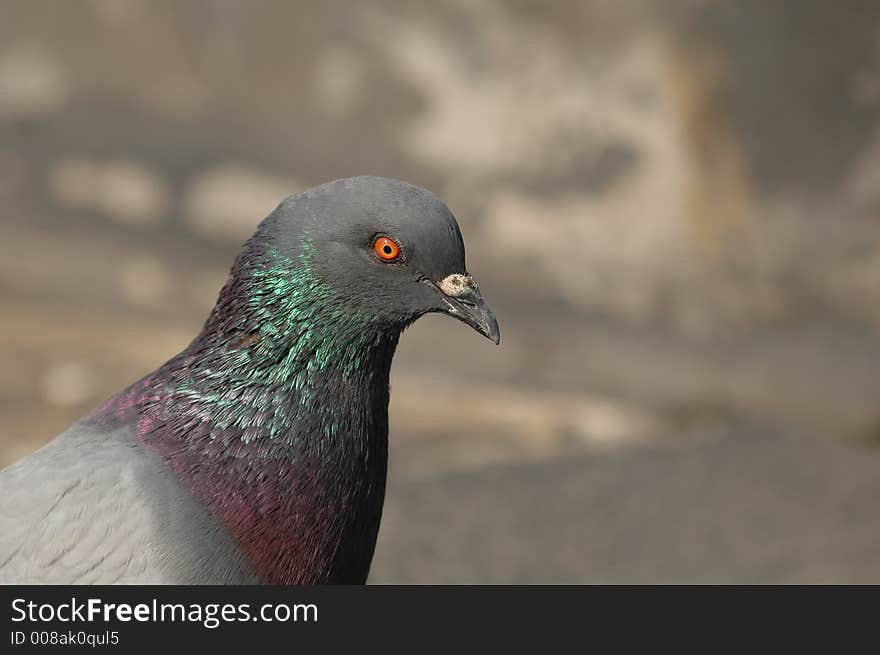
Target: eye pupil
<point>387,249</point>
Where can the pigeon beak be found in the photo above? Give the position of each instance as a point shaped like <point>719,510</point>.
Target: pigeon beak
<point>462,299</point>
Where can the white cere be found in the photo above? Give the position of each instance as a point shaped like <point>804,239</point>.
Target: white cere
<point>457,285</point>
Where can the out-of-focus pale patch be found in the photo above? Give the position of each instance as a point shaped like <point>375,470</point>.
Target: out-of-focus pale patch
<point>123,190</point>
<point>537,421</point>
<point>116,12</point>
<point>227,202</point>
<point>68,383</point>
<point>339,81</point>
<point>457,285</point>
<point>528,110</point>
<point>145,281</point>
<point>31,83</point>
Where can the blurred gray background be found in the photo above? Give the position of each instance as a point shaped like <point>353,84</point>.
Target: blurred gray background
<point>674,209</point>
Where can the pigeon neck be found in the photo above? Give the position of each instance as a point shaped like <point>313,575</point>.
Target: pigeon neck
<point>277,419</point>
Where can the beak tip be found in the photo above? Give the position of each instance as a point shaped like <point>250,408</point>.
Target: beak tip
<point>492,332</point>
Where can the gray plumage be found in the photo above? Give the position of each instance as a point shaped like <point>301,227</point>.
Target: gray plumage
<point>98,507</point>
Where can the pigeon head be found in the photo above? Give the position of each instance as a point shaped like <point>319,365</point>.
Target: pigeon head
<point>383,250</point>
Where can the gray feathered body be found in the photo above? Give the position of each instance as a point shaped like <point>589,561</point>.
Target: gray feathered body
<point>98,507</point>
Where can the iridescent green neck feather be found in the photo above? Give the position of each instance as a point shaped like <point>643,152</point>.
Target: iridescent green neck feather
<point>277,342</point>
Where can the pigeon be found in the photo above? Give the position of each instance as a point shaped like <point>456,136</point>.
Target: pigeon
<point>258,455</point>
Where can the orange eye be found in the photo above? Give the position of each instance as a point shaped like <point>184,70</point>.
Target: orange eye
<point>386,249</point>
